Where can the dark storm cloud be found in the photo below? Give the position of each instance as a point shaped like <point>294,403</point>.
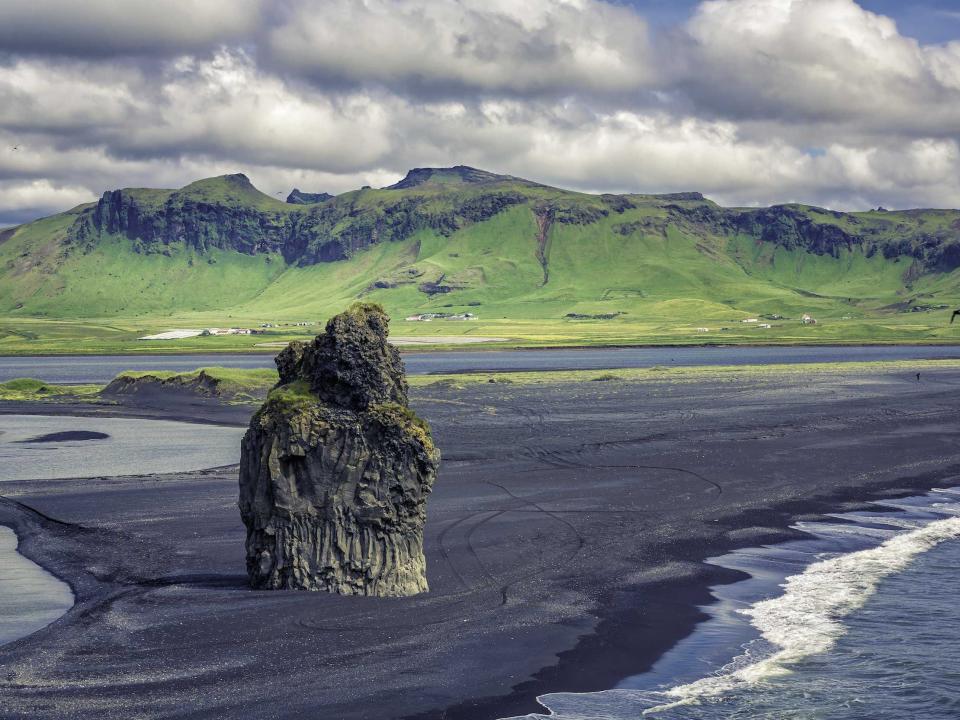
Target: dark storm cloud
<point>105,28</point>
<point>751,101</point>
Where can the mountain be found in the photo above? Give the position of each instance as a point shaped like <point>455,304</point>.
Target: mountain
<point>466,238</point>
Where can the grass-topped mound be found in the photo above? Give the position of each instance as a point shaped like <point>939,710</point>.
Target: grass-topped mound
<point>29,389</point>
<point>228,384</point>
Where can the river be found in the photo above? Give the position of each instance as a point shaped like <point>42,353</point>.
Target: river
<point>103,368</point>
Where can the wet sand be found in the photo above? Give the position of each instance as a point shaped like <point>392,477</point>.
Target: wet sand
<point>564,545</point>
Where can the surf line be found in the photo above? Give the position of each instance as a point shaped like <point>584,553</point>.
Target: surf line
<point>807,619</point>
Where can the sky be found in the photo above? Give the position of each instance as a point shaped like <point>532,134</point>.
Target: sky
<point>836,103</point>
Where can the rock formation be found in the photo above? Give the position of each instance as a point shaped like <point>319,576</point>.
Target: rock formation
<point>335,468</point>
<point>298,197</point>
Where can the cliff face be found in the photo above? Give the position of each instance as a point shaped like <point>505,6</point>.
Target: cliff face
<point>202,225</point>
<point>335,469</point>
<point>226,213</point>
<point>931,237</point>
<point>230,214</point>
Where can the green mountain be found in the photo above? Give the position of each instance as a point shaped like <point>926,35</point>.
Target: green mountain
<point>458,239</point>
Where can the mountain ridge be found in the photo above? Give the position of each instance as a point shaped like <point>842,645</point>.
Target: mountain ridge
<point>468,238</point>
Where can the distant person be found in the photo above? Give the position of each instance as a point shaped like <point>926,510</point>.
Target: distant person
<point>918,377</point>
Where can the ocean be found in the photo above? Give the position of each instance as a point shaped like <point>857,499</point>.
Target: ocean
<point>30,597</point>
<point>859,622</point>
<point>129,446</point>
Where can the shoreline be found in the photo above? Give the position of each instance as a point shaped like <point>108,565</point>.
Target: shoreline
<point>675,604</point>
<point>620,645</point>
<point>643,606</point>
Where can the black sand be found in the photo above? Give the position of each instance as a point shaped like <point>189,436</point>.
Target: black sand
<point>564,540</point>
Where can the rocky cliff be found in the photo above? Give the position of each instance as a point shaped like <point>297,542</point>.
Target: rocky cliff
<point>226,213</point>
<point>335,468</point>
<point>229,213</point>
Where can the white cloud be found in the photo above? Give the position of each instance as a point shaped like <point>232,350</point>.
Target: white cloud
<point>39,195</point>
<point>755,101</point>
<point>49,96</point>
<point>802,61</point>
<point>227,108</point>
<point>467,45</point>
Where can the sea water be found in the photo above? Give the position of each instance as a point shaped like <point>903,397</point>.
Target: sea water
<point>30,597</point>
<point>860,622</point>
<point>132,446</point>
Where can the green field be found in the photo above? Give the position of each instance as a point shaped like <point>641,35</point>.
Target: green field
<point>659,268</point>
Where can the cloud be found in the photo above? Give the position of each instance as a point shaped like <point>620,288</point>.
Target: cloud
<point>750,101</point>
<point>102,28</point>
<point>23,200</point>
<point>451,48</point>
<point>55,96</point>
<point>228,108</point>
<point>802,61</point>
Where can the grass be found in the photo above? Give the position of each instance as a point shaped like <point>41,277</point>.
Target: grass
<point>702,373</point>
<point>232,384</point>
<point>104,336</point>
<point>291,397</point>
<point>28,389</point>
<point>404,419</point>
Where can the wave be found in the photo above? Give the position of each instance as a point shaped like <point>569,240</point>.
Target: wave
<point>807,619</point>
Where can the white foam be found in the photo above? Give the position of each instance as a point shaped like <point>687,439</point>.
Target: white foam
<point>807,619</point>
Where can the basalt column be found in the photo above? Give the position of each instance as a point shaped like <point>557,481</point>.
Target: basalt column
<point>335,468</point>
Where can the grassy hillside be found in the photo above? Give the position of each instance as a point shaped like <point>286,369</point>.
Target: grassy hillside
<point>536,265</point>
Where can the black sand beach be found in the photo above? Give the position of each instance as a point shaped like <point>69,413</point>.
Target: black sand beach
<point>564,543</point>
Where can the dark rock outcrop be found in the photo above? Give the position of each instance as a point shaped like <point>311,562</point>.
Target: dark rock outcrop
<point>791,228</point>
<point>219,213</point>
<point>335,468</point>
<point>457,173</point>
<point>296,197</point>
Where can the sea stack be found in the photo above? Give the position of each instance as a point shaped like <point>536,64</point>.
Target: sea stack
<point>335,468</point>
